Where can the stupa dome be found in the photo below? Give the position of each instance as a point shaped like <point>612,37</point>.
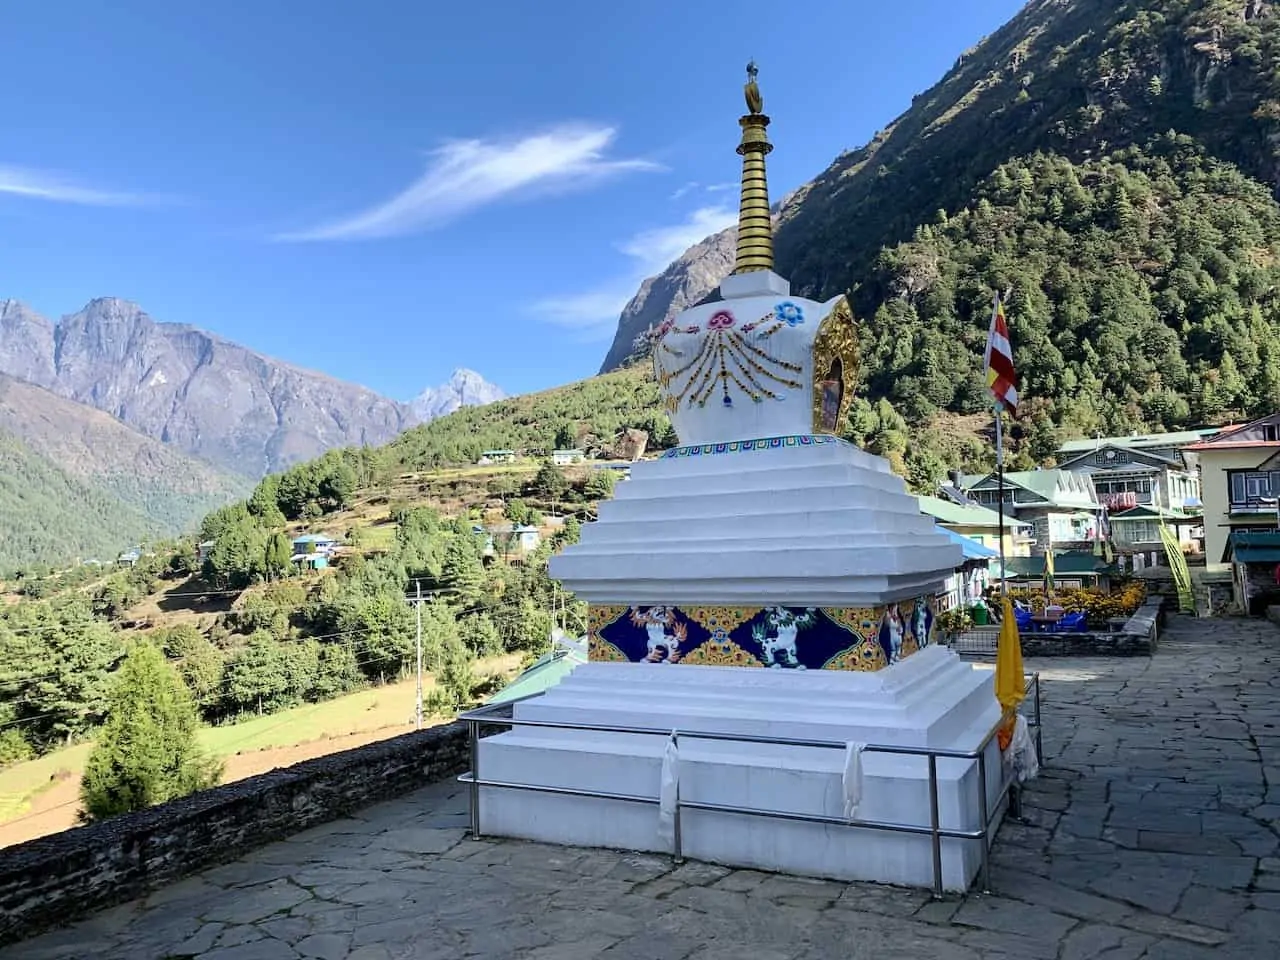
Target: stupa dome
<point>758,364</point>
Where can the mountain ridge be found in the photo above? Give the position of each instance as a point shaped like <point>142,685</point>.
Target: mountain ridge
<point>212,398</point>
<point>49,517</point>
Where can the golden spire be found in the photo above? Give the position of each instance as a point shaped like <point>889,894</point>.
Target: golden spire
<point>755,228</point>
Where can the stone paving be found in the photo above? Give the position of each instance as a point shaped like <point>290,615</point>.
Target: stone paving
<point>1152,834</point>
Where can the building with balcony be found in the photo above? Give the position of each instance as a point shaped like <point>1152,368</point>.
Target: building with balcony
<point>1239,481</point>
<point>1143,481</point>
<point>980,524</point>
<point>1060,506</point>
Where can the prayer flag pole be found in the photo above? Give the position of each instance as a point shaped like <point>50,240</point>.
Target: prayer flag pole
<point>1004,584</point>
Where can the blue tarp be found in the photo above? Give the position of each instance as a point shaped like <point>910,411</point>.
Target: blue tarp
<point>973,550</point>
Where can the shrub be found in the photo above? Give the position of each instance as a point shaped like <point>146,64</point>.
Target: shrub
<point>1099,606</point>
<point>954,621</point>
<point>147,752</point>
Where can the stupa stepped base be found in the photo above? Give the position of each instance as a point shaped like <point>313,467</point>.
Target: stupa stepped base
<point>934,699</point>
<point>801,521</point>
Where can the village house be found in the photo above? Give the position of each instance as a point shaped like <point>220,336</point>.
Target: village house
<point>562,458</point>
<point>967,582</point>
<point>1143,481</point>
<point>1064,513</point>
<point>512,541</point>
<point>1060,506</point>
<point>980,524</point>
<point>1239,482</point>
<point>497,456</point>
<point>204,550</point>
<point>313,551</point>
<point>1254,556</point>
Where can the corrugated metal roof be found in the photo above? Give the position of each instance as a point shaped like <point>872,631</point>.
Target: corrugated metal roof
<point>1139,441</point>
<point>1061,488</point>
<point>1075,562</point>
<point>972,516</point>
<point>1255,538</point>
<point>541,676</point>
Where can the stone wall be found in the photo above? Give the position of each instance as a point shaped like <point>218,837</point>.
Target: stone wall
<point>1086,645</point>
<point>53,880</point>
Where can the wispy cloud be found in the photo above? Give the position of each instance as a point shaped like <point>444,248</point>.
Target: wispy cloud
<point>593,314</point>
<point>692,185</point>
<point>45,185</point>
<point>462,175</point>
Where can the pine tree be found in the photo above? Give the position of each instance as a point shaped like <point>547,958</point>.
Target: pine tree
<point>599,485</point>
<point>147,752</point>
<point>461,570</point>
<point>279,553</point>
<point>549,482</point>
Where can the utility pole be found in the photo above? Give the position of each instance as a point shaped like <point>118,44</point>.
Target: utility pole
<point>417,609</point>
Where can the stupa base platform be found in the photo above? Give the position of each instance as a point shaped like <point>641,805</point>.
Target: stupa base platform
<point>933,700</point>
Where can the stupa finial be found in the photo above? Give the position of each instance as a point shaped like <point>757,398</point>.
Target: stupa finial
<point>755,103</point>
<point>755,228</point>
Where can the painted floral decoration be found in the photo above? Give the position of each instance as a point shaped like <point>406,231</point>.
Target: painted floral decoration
<point>789,313</point>
<point>721,320</point>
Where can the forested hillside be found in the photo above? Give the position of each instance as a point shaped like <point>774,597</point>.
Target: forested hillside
<point>1144,295</point>
<point>49,517</point>
<point>586,413</point>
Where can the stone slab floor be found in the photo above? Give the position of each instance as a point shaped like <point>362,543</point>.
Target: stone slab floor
<point>1153,833</point>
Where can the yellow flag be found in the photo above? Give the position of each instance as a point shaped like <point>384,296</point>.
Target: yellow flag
<point>1010,683</point>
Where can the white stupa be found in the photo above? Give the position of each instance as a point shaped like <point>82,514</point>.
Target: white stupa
<point>763,541</point>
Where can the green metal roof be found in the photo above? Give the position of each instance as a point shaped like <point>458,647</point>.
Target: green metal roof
<point>1145,511</point>
<point>1256,538</point>
<point>1140,441</point>
<point>1070,563</point>
<point>944,511</point>
<point>543,674</point>
<point>1061,488</point>
<point>1253,546</point>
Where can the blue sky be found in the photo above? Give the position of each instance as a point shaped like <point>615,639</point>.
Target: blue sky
<point>388,190</point>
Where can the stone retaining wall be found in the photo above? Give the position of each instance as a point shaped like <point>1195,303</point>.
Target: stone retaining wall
<point>53,880</point>
<point>1087,645</point>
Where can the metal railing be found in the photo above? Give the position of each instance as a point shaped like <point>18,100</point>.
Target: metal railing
<point>486,716</point>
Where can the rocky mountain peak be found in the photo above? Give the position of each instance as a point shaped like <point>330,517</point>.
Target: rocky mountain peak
<point>205,395</point>
<point>26,343</point>
<point>464,388</point>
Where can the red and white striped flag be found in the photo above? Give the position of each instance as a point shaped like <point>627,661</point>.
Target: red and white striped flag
<point>1002,381</point>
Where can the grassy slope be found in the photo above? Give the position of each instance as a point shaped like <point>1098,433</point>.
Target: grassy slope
<point>385,711</point>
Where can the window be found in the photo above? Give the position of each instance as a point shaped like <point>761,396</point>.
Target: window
<point>1107,458</point>
<point>1137,531</point>
<point>1250,487</point>
<point>989,498</point>
<point>1271,433</point>
<point>1128,485</point>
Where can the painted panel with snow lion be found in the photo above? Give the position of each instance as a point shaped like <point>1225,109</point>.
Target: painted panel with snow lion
<point>788,638</point>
